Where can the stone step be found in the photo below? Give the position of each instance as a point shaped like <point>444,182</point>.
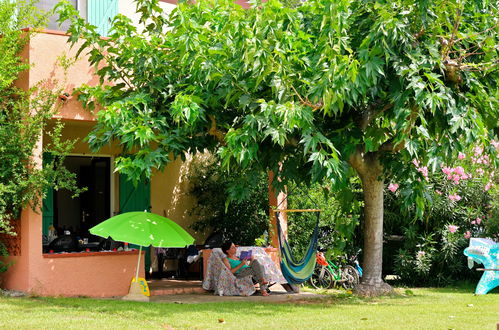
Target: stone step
<point>169,291</point>
<point>172,286</point>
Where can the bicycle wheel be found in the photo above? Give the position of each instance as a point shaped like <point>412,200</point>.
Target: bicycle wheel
<point>350,277</point>
<point>321,278</point>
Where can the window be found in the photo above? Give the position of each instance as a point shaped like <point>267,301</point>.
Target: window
<point>48,5</point>
<point>97,12</point>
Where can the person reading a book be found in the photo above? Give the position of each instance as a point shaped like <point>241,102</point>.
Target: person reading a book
<point>245,265</point>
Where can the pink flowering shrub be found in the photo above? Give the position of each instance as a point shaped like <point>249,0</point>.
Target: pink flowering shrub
<point>456,201</point>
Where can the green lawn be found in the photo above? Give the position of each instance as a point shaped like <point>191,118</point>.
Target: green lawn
<point>446,308</point>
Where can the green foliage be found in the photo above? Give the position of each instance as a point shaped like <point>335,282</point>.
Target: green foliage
<point>339,220</point>
<point>304,86</point>
<point>435,259</point>
<point>462,198</point>
<point>242,221</point>
<point>24,115</point>
<point>321,91</point>
<point>3,253</point>
<point>14,17</point>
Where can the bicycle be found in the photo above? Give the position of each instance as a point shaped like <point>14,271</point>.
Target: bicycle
<point>328,275</point>
<point>354,261</point>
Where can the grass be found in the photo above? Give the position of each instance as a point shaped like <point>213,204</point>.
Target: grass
<point>447,308</point>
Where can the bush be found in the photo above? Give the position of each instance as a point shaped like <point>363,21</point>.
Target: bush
<point>3,253</point>
<point>24,117</point>
<point>434,259</point>
<point>237,206</point>
<point>463,203</point>
<point>339,219</point>
<point>245,218</point>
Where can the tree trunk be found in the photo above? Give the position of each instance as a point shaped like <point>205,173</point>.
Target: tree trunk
<point>370,171</point>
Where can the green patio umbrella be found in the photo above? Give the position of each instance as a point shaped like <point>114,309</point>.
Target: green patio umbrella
<point>143,229</point>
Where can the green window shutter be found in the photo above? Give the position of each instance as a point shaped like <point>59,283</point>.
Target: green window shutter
<point>100,13</point>
<point>48,201</point>
<point>136,199</point>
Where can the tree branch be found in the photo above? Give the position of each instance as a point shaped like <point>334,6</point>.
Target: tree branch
<point>307,103</point>
<point>356,160</point>
<point>124,76</point>
<point>389,145</point>
<point>214,131</point>
<point>372,112</point>
<point>474,35</point>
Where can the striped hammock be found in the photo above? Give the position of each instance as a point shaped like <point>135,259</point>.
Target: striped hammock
<point>297,271</point>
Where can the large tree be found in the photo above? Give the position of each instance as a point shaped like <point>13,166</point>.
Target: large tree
<point>325,90</point>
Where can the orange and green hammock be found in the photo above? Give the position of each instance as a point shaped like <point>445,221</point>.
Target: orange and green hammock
<point>297,271</point>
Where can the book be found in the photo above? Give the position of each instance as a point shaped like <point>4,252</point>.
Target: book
<point>245,255</point>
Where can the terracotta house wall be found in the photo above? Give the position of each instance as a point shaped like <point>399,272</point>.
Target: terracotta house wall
<point>44,51</point>
<point>87,274</point>
<point>74,274</point>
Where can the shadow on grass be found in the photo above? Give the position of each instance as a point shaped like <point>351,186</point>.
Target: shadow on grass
<point>126,309</point>
<point>104,306</point>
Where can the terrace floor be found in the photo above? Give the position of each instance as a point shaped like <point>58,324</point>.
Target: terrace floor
<point>191,292</point>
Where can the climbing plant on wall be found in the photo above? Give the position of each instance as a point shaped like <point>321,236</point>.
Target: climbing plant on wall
<point>24,116</point>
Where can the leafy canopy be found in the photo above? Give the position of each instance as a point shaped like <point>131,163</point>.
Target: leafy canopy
<point>310,88</point>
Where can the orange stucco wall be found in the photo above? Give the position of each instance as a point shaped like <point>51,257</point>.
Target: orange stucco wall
<point>44,51</point>
<point>93,275</point>
<point>170,196</point>
<point>87,274</point>
<point>96,275</point>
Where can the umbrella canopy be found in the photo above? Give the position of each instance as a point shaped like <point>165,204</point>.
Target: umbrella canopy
<point>144,229</point>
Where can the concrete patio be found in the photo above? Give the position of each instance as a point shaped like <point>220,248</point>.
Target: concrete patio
<point>191,292</point>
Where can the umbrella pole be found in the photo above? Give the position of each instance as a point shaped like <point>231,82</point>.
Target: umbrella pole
<point>136,292</point>
<point>138,265</point>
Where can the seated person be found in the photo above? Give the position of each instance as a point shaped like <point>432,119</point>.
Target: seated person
<point>243,268</point>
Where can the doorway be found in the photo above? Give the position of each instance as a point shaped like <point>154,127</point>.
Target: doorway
<point>77,215</point>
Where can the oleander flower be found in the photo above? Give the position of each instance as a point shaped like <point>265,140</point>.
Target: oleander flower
<point>393,187</point>
<point>447,170</point>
